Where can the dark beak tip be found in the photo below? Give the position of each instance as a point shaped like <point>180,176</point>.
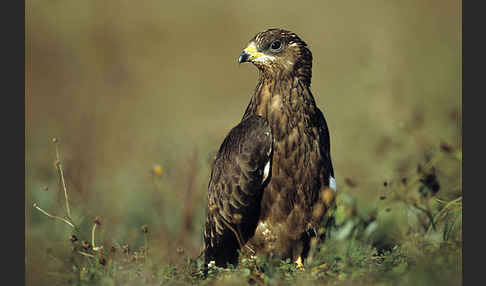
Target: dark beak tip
<point>243,57</point>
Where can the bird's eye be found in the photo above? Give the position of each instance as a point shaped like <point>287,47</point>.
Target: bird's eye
<point>275,45</point>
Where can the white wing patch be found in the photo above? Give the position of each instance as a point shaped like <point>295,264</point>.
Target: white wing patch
<point>266,170</point>
<point>332,184</point>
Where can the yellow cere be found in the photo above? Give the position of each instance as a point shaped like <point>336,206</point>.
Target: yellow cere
<point>252,51</point>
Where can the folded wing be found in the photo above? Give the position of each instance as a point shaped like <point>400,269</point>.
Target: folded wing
<point>239,174</point>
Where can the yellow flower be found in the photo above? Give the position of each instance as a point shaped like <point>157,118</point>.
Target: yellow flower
<point>157,170</point>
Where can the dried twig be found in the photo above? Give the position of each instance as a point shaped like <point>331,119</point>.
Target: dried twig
<point>35,205</point>
<point>61,176</point>
<point>96,223</point>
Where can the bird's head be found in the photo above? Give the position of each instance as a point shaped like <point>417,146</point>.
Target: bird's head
<point>277,52</point>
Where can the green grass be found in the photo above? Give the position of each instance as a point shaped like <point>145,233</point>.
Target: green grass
<point>411,235</point>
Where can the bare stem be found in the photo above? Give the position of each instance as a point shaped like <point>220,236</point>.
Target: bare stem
<point>95,248</point>
<point>146,245</point>
<point>86,254</point>
<point>61,175</point>
<point>53,216</point>
<point>93,236</point>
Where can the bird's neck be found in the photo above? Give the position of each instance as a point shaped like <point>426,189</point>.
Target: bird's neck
<point>280,97</point>
<point>302,70</point>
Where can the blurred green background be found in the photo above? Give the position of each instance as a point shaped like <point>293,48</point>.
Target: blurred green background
<point>127,85</point>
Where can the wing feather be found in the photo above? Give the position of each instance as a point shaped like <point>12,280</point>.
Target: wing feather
<point>235,189</point>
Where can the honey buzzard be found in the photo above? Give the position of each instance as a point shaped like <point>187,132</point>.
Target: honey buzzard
<point>272,181</point>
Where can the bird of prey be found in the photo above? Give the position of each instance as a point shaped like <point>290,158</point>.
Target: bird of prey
<point>272,181</point>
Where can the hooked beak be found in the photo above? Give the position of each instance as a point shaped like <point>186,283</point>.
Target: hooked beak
<point>244,56</point>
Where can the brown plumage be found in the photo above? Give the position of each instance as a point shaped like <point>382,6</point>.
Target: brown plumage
<point>269,186</point>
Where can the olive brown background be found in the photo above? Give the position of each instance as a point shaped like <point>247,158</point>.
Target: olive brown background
<point>129,85</point>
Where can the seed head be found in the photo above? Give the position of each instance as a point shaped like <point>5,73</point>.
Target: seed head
<point>85,245</point>
<point>145,228</point>
<point>55,140</point>
<point>73,238</point>
<point>97,220</point>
